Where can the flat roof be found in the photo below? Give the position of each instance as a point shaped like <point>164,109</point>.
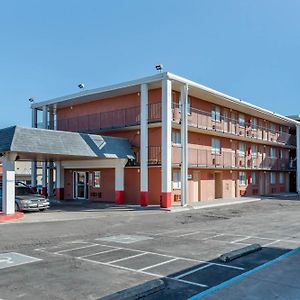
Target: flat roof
<point>195,89</point>
<point>41,144</point>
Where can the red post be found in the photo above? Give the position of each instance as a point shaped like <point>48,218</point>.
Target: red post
<point>120,197</point>
<point>144,199</point>
<point>59,193</point>
<point>166,200</point>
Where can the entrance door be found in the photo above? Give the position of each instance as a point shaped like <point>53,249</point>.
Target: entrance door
<point>218,185</point>
<point>80,185</point>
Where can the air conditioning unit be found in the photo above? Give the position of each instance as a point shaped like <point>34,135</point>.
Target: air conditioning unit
<point>214,161</point>
<point>214,127</point>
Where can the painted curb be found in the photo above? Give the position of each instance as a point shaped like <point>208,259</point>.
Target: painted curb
<point>14,216</point>
<point>138,291</point>
<point>229,256</point>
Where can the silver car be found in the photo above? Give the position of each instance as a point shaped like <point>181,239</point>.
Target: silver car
<point>26,199</point>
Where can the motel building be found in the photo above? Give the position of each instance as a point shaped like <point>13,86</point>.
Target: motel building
<point>160,140</point>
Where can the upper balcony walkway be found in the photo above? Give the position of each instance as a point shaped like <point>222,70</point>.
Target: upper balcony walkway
<point>197,119</point>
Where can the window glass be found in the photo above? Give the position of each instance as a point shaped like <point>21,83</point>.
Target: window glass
<point>96,179</point>
<point>242,149</point>
<point>242,119</point>
<point>176,137</point>
<point>216,146</point>
<point>272,152</point>
<point>280,154</point>
<point>253,178</point>
<point>215,113</point>
<point>242,178</point>
<point>272,177</point>
<point>281,177</point>
<point>176,179</point>
<point>254,150</point>
<point>254,123</point>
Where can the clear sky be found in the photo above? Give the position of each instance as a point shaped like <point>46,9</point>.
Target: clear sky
<point>246,48</point>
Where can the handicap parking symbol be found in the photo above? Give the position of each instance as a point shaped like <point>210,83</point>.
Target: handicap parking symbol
<point>12,259</point>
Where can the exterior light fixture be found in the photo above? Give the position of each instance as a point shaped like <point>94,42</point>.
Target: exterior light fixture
<point>159,68</point>
<point>31,100</point>
<point>81,86</point>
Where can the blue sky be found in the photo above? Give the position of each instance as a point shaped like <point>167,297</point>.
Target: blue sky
<point>246,48</point>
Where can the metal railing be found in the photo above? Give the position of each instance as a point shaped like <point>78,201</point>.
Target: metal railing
<point>197,118</point>
<point>227,159</point>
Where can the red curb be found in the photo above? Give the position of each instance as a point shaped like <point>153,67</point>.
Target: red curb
<point>16,215</point>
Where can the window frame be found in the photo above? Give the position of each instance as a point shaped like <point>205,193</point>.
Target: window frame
<point>216,113</point>
<point>242,154</point>
<point>215,150</point>
<point>242,178</point>
<point>273,178</point>
<point>243,118</point>
<point>98,185</point>
<point>281,178</point>
<point>253,175</point>
<point>254,154</point>
<point>176,179</point>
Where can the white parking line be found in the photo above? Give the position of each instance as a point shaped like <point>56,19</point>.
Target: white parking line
<point>187,234</point>
<point>77,248</point>
<point>211,237</point>
<point>125,258</point>
<point>193,271</point>
<point>189,282</point>
<point>271,243</point>
<point>157,265</point>
<point>100,252</point>
<point>239,240</point>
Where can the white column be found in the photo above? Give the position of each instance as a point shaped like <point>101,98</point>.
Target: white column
<point>33,163</point>
<point>44,164</point>
<point>166,144</point>
<point>298,158</point>
<point>184,145</point>
<point>144,146</point>
<point>59,181</point>
<point>119,183</point>
<point>8,184</point>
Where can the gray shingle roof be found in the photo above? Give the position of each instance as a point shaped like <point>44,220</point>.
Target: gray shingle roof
<point>53,142</point>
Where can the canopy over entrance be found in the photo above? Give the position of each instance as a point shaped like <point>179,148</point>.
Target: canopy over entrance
<point>66,149</point>
<point>43,144</point>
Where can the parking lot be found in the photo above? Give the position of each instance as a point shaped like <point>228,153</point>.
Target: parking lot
<point>92,257</point>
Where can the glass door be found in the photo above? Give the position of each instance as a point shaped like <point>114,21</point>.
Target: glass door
<point>80,185</point>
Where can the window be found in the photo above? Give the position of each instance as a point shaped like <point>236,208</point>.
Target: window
<point>281,178</point>
<point>254,123</point>
<point>242,178</point>
<point>272,177</point>
<point>253,178</point>
<point>280,154</point>
<point>272,152</point>
<point>176,137</point>
<point>188,105</point>
<point>242,119</point>
<point>96,179</point>
<point>216,146</point>
<point>254,150</point>
<point>242,149</point>
<point>272,127</point>
<point>281,129</point>
<point>215,113</point>
<point>177,179</point>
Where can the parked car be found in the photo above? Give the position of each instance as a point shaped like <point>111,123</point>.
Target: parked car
<point>26,199</point>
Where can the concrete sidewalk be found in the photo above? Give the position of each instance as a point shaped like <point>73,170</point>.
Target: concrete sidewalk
<point>277,279</point>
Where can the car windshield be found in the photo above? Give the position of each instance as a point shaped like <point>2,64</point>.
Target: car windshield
<point>23,190</point>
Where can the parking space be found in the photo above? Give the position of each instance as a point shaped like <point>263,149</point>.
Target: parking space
<point>124,252</point>
<point>97,258</point>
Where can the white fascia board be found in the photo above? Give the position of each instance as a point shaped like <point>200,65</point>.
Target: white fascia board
<point>230,98</point>
<point>109,88</point>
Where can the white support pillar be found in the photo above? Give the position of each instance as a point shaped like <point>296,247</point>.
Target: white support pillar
<point>144,146</point>
<point>298,158</point>
<point>44,164</point>
<point>50,164</point>
<point>119,184</point>
<point>33,163</point>
<point>8,184</point>
<point>184,145</point>
<point>59,181</point>
<point>166,144</point>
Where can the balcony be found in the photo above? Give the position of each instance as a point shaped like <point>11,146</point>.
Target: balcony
<point>227,159</point>
<point>122,118</point>
<point>203,120</point>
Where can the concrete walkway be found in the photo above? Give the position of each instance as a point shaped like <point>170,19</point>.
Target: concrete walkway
<point>277,279</point>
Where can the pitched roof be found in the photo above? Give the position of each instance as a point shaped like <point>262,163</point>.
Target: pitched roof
<point>61,143</point>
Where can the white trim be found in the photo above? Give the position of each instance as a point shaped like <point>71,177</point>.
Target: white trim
<point>166,142</point>
<point>93,164</point>
<point>144,139</point>
<point>298,158</point>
